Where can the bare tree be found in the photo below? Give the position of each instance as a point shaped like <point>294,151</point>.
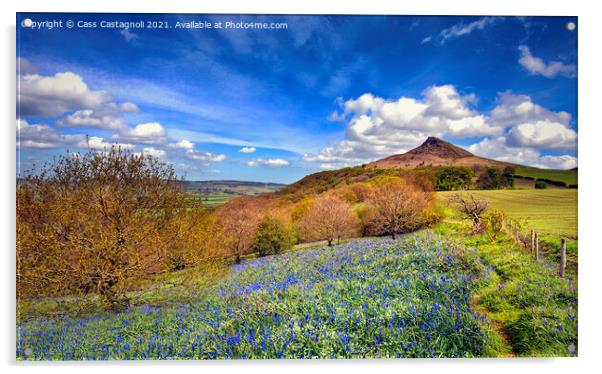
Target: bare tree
<point>471,207</point>
<point>398,207</point>
<point>329,218</point>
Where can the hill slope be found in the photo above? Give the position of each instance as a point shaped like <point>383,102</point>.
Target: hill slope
<point>435,152</point>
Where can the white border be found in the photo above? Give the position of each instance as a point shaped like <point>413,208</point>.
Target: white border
<point>590,157</point>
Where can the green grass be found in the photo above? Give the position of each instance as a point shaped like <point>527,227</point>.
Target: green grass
<point>168,289</point>
<point>535,309</point>
<point>551,212</point>
<point>566,176</point>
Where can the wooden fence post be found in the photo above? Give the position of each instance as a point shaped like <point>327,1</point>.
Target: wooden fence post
<point>536,246</point>
<point>562,257</point>
<point>532,241</point>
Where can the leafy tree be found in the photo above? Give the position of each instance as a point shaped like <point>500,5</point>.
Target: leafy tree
<point>540,185</point>
<point>329,218</point>
<point>490,179</point>
<point>273,236</point>
<point>508,176</point>
<point>98,222</point>
<point>453,178</point>
<point>398,207</point>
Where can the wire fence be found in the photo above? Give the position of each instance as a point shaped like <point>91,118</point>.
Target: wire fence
<point>530,240</point>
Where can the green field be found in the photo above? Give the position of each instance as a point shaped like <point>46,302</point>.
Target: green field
<point>566,176</point>
<point>214,200</point>
<point>551,212</point>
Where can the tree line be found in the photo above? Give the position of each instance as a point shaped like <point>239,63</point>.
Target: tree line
<point>455,178</point>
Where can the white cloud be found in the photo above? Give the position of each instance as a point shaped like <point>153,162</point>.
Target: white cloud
<point>542,134</point>
<point>42,136</point>
<point>64,92</point>
<point>558,162</point>
<point>206,157</point>
<point>513,109</point>
<point>426,39</point>
<point>129,107</point>
<point>145,133</point>
<point>151,151</point>
<point>461,29</point>
<point>106,117</point>
<point>54,95</point>
<point>98,143</point>
<point>268,162</point>
<point>91,118</point>
<point>377,127</point>
<point>247,150</point>
<point>538,66</point>
<point>499,149</point>
<point>182,144</point>
<point>531,125</point>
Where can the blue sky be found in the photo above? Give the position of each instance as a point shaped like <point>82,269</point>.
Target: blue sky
<point>325,92</point>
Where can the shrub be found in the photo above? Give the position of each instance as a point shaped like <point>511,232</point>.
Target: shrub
<point>494,224</point>
<point>433,215</point>
<point>362,191</point>
<point>273,236</point>
<point>540,185</point>
<point>98,222</point>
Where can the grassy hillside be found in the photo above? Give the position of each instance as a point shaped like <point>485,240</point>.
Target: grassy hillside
<point>567,176</point>
<point>323,181</point>
<point>551,211</point>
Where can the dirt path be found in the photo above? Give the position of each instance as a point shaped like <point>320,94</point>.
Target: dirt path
<point>498,327</point>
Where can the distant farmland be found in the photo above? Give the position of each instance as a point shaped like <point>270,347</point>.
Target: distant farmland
<point>567,176</point>
<point>550,211</point>
<point>216,193</point>
<point>227,187</point>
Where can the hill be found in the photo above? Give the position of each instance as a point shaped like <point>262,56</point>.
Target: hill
<point>431,156</point>
<point>435,152</point>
